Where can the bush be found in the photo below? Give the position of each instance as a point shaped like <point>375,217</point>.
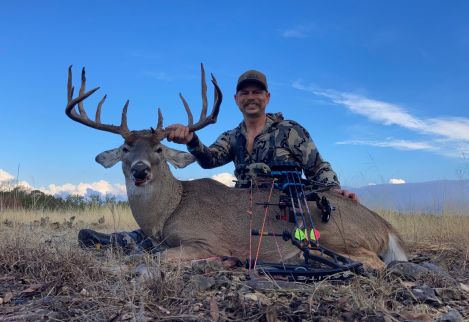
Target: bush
<point>18,198</point>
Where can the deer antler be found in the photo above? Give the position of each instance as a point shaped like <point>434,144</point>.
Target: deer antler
<point>204,120</point>
<point>82,117</point>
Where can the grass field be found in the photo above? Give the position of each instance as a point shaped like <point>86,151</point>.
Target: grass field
<point>45,275</point>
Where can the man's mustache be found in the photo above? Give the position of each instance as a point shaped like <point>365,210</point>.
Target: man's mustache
<point>251,102</point>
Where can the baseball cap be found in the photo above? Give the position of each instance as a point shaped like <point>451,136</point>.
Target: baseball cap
<point>252,76</point>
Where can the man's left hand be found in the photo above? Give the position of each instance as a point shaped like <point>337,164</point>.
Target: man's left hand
<point>348,194</point>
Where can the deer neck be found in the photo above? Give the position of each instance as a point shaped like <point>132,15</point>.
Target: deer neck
<point>153,203</point>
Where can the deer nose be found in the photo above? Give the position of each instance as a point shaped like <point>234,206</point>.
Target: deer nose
<point>140,171</point>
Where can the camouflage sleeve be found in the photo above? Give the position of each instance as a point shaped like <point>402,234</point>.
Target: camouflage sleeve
<point>218,154</point>
<point>304,149</point>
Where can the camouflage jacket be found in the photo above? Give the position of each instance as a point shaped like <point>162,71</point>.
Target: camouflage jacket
<point>280,140</point>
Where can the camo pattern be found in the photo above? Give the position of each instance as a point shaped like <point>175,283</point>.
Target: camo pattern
<point>280,140</point>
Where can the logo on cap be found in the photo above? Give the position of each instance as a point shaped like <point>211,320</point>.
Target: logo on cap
<point>252,76</point>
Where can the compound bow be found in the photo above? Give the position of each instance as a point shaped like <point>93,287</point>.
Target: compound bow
<point>318,262</point>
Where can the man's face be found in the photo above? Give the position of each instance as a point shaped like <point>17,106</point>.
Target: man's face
<point>252,100</point>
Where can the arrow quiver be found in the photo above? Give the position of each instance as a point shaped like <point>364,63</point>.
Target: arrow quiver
<point>319,262</point>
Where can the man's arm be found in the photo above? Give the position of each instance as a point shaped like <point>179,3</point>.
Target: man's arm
<point>216,155</point>
<point>314,167</point>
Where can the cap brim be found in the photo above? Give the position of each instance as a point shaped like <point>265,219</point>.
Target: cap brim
<point>250,81</point>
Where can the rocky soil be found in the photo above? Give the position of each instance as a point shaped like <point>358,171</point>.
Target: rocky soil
<point>45,276</point>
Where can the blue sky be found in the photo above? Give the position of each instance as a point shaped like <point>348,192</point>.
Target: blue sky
<point>381,87</point>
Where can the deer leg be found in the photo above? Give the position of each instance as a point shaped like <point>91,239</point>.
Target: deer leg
<point>368,258</point>
<point>185,253</point>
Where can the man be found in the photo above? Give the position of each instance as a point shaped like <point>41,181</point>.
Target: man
<point>260,138</point>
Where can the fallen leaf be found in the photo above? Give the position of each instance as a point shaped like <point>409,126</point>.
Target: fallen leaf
<point>408,284</point>
<point>214,311</point>
<point>414,316</point>
<point>126,316</point>
<point>7,298</point>
<point>388,318</point>
<point>271,315</point>
<point>162,309</point>
<point>250,296</point>
<point>464,287</point>
<point>342,300</point>
<point>25,280</point>
<point>32,288</point>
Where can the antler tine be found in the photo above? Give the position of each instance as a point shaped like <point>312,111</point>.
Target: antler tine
<point>212,118</point>
<point>217,95</point>
<point>188,110</point>
<point>203,113</point>
<point>81,116</point>
<point>73,101</point>
<point>70,87</point>
<point>98,110</point>
<point>81,109</point>
<point>123,125</point>
<point>159,126</point>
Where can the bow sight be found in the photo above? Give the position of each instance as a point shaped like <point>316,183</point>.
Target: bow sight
<point>318,262</point>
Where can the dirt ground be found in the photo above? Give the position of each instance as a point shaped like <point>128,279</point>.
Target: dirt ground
<point>45,275</point>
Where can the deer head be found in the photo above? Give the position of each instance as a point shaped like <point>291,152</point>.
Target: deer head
<point>142,153</point>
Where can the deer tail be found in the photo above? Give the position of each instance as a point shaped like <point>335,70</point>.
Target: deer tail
<point>394,251</point>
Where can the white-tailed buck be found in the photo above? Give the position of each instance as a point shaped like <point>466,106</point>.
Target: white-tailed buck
<point>203,218</point>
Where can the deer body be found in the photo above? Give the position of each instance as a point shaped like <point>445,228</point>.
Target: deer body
<point>212,220</point>
<point>203,218</point>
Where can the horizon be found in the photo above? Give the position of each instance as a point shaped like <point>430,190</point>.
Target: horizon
<point>381,88</point>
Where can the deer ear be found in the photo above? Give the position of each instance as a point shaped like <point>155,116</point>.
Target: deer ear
<point>110,157</point>
<point>178,159</point>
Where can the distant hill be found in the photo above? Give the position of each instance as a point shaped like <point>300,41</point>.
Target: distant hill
<point>435,197</point>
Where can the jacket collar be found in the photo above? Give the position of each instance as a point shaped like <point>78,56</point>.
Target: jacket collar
<point>271,120</point>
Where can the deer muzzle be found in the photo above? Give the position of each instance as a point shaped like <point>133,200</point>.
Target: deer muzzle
<point>141,173</point>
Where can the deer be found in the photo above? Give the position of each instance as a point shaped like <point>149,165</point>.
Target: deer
<point>204,218</point>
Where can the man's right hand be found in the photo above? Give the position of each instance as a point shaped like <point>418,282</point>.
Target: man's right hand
<point>179,133</point>
<point>348,194</point>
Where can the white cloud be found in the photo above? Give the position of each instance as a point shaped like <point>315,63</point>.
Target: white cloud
<point>300,31</point>
<point>24,185</point>
<point>84,189</point>
<point>100,187</point>
<point>390,143</point>
<point>225,178</point>
<point>449,135</point>
<point>163,76</point>
<point>456,128</point>
<point>5,176</point>
<point>396,181</point>
<point>294,33</point>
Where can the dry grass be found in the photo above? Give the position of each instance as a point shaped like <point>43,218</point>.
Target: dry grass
<point>47,274</point>
<point>77,284</point>
<point>112,218</point>
<point>418,228</point>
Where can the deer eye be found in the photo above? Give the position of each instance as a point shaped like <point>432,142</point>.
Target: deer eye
<point>125,149</point>
<point>159,150</point>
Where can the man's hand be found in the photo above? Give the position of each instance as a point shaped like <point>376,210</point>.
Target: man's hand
<point>347,194</point>
<point>179,133</point>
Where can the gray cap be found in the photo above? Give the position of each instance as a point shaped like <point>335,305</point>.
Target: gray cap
<point>252,76</point>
